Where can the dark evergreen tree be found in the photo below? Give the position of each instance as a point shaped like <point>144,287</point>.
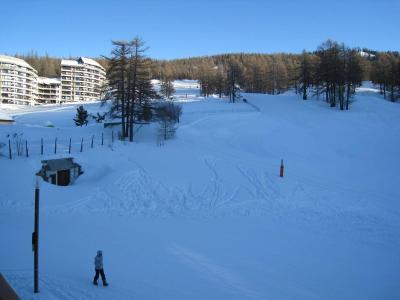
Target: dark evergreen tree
<point>81,116</point>
<point>146,93</point>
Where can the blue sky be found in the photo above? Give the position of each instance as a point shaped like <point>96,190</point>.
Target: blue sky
<point>176,29</point>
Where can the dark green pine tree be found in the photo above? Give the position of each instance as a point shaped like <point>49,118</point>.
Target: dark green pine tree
<point>81,116</point>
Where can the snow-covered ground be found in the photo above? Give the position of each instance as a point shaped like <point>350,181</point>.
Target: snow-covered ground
<point>206,215</point>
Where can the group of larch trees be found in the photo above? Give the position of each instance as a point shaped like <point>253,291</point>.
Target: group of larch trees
<point>334,71</point>
<point>228,74</point>
<point>385,72</point>
<point>130,84</point>
<point>134,100</point>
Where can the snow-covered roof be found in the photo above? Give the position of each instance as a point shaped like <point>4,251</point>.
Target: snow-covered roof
<point>59,164</point>
<point>4,117</point>
<point>14,60</point>
<point>366,54</point>
<point>81,60</point>
<point>69,62</point>
<point>46,80</point>
<point>90,61</point>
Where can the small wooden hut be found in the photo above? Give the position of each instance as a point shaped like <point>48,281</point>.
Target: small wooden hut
<point>61,171</point>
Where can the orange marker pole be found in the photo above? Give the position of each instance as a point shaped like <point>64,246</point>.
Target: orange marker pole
<point>282,168</point>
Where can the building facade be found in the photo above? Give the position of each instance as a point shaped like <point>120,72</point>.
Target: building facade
<point>49,90</point>
<point>81,80</point>
<point>18,81</point>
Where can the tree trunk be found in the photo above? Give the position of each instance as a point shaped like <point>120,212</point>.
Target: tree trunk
<point>384,90</point>
<point>123,124</point>
<point>348,96</point>
<point>392,93</point>
<point>133,95</point>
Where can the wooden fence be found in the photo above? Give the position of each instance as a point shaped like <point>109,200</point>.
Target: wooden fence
<point>18,147</point>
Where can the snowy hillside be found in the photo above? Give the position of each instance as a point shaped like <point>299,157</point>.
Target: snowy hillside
<point>206,215</point>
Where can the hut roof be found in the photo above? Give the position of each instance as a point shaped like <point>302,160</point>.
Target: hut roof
<point>59,164</point>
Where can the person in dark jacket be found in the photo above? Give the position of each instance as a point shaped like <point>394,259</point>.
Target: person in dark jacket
<point>98,263</point>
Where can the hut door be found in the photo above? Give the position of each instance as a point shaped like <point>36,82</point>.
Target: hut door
<point>63,177</point>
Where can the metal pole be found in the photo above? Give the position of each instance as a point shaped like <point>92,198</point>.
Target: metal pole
<point>9,149</point>
<point>26,148</point>
<point>36,240</point>
<point>102,139</point>
<point>41,146</point>
<point>55,146</point>
<point>91,145</point>
<point>69,148</point>
<point>82,145</point>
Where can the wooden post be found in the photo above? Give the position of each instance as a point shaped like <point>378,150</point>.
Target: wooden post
<point>55,146</point>
<point>35,242</point>
<point>282,169</point>
<point>26,148</point>
<point>91,145</point>
<point>82,145</point>
<point>17,146</point>
<point>41,146</point>
<point>9,149</point>
<point>69,147</point>
<point>102,139</point>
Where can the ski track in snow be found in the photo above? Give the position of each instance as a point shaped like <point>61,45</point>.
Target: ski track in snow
<point>212,271</point>
<point>136,192</point>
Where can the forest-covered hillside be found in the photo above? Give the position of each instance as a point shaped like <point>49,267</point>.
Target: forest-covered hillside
<point>267,73</point>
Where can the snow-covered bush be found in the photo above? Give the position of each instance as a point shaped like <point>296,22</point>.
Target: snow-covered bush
<point>167,115</point>
<point>49,124</point>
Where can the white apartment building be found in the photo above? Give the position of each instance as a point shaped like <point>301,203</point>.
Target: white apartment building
<point>49,90</point>
<point>18,81</point>
<point>81,79</point>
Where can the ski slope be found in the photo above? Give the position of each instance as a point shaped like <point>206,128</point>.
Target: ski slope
<point>206,215</point>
